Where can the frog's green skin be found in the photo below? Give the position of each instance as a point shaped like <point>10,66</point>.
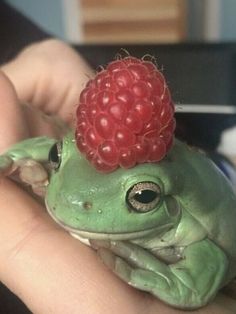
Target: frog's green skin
<point>182,251</point>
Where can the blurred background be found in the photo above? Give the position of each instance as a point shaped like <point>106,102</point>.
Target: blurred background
<point>133,21</point>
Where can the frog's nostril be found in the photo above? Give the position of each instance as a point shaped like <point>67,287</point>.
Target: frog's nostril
<point>87,205</point>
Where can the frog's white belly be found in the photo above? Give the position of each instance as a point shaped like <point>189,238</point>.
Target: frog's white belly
<point>81,239</point>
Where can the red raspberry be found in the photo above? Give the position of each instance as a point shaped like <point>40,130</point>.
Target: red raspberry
<point>125,116</point>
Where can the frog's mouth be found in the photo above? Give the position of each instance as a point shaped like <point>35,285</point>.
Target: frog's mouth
<point>116,236</point>
<point>84,235</point>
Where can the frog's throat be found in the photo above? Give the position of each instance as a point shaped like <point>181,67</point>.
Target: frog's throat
<point>82,234</point>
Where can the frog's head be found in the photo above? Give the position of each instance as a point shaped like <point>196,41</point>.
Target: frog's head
<point>124,204</point>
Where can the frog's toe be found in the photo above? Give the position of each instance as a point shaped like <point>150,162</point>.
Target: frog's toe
<point>115,263</point>
<point>25,170</point>
<point>132,253</point>
<point>34,174</point>
<point>138,278</point>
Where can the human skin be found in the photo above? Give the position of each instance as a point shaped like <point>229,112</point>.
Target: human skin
<point>41,263</point>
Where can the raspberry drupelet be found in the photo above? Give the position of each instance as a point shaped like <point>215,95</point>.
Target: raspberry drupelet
<point>125,116</point>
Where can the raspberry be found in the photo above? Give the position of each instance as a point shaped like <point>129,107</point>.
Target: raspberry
<point>125,116</point>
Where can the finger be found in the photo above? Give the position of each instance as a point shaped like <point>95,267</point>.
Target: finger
<point>58,76</point>
<point>13,127</point>
<point>43,125</point>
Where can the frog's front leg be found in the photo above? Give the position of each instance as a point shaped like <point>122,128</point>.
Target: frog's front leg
<point>25,160</point>
<point>188,284</point>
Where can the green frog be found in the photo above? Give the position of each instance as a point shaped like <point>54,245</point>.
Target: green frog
<point>167,228</point>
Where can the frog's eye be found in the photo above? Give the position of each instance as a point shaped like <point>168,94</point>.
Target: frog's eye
<point>55,155</point>
<point>143,196</point>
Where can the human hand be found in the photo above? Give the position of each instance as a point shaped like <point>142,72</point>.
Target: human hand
<point>41,263</point>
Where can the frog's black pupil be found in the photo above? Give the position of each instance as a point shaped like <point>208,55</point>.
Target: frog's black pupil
<point>53,155</point>
<point>145,196</point>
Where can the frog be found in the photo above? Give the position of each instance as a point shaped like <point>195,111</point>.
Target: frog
<point>166,228</point>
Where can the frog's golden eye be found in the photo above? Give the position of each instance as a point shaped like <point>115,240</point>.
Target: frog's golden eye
<point>55,155</point>
<point>143,196</point>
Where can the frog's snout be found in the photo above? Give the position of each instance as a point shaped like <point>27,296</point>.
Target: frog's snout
<point>87,205</point>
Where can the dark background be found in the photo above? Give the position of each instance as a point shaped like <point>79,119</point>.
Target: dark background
<point>196,73</point>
